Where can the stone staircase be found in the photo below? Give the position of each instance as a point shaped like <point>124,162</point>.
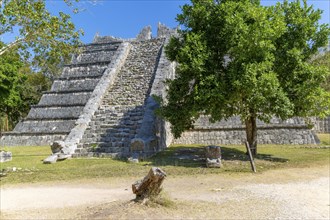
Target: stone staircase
<point>57,111</point>
<point>117,120</point>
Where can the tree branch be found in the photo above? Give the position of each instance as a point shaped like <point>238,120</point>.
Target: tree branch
<point>11,45</point>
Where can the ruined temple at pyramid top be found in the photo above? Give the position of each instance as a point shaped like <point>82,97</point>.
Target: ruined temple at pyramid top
<point>102,105</point>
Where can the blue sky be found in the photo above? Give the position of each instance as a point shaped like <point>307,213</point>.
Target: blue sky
<point>126,18</point>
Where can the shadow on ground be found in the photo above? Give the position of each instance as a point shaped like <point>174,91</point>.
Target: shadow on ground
<point>195,156</point>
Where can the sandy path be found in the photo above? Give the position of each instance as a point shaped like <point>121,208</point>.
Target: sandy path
<point>280,194</point>
<point>14,199</point>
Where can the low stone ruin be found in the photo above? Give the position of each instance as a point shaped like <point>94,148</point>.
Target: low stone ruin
<point>213,156</point>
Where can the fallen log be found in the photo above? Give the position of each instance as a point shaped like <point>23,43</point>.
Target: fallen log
<point>150,185</point>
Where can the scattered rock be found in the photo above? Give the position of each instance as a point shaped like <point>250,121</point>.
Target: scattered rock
<point>3,173</point>
<point>51,159</point>
<point>5,156</point>
<point>133,160</point>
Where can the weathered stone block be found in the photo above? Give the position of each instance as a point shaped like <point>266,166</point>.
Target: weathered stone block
<point>213,163</point>
<point>213,156</point>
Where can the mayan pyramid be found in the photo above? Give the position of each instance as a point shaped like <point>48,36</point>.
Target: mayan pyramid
<point>102,105</point>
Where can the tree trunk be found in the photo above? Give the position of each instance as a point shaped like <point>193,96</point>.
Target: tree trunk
<point>6,123</point>
<point>150,185</point>
<point>251,134</point>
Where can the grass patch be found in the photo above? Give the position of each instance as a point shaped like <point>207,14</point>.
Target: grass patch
<point>324,138</point>
<point>176,160</point>
<point>163,199</point>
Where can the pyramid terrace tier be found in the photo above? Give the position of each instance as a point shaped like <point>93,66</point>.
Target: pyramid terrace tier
<point>70,98</point>
<point>96,70</point>
<point>75,84</point>
<point>95,53</point>
<point>94,56</point>
<point>31,139</point>
<point>48,113</point>
<point>86,64</point>
<point>46,126</point>
<point>101,46</point>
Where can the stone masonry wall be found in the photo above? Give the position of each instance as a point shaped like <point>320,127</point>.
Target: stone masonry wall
<point>321,125</point>
<point>265,136</point>
<point>231,131</point>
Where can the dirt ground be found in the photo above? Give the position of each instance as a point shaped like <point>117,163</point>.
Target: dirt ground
<point>278,194</point>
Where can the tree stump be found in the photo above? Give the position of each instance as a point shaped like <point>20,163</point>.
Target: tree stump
<point>150,185</point>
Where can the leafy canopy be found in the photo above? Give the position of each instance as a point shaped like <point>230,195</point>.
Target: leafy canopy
<point>9,77</point>
<point>323,60</point>
<point>237,57</point>
<point>48,39</point>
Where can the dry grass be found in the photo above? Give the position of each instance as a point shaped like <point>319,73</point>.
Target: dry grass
<point>324,138</point>
<point>176,160</point>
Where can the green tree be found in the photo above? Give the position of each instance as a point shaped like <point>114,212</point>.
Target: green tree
<point>42,42</point>
<point>20,87</point>
<point>238,58</point>
<point>48,40</point>
<point>324,61</point>
<point>10,78</point>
